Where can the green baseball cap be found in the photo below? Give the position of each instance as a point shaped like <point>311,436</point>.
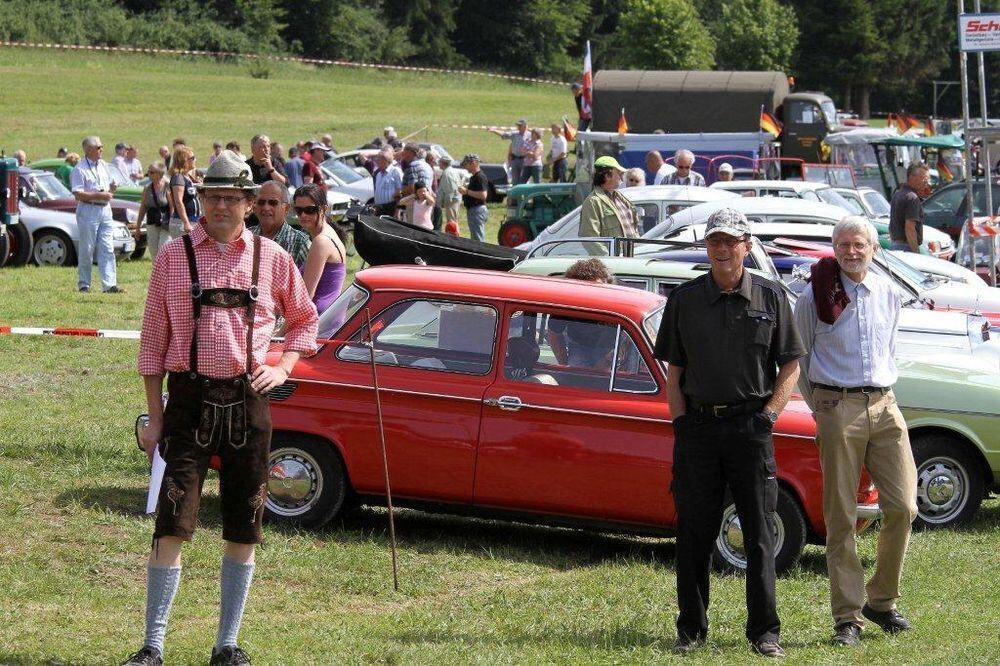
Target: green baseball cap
<point>608,162</point>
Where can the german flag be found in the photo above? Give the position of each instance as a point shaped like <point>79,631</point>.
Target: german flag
<point>769,123</point>
<point>944,172</point>
<point>568,130</point>
<point>622,123</point>
<point>929,127</point>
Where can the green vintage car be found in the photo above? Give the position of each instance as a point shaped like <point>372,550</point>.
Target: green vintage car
<point>948,387</point>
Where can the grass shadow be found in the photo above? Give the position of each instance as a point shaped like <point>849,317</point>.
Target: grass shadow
<point>130,502</point>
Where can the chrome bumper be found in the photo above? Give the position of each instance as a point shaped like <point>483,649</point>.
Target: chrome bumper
<point>867,515</point>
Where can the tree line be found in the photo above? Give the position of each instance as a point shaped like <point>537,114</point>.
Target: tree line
<point>866,54</point>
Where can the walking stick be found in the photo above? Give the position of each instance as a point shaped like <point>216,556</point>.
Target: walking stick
<point>385,456</point>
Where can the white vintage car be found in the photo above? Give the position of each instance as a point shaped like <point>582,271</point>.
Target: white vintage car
<point>57,237</point>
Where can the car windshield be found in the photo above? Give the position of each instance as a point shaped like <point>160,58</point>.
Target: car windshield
<point>835,198</point>
<point>829,112</point>
<point>117,176</point>
<point>651,323</point>
<point>854,205</point>
<point>49,187</point>
<point>342,171</point>
<point>877,202</point>
<point>908,273</point>
<point>346,305</point>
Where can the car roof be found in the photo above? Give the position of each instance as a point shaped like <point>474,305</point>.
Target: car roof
<point>430,280</point>
<point>625,266</point>
<point>794,185</point>
<point>681,192</point>
<point>763,206</point>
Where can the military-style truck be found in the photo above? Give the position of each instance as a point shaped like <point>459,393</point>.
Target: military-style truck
<point>684,102</point>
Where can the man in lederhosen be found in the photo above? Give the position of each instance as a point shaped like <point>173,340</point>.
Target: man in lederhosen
<point>209,317</point>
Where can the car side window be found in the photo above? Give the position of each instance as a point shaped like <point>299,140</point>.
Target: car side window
<point>948,201</point>
<point>649,215</point>
<point>574,352</point>
<point>430,335</point>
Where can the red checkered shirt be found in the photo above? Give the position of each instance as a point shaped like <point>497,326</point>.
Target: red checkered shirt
<point>168,322</point>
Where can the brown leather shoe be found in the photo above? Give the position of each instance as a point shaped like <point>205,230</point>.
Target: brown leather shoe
<point>685,644</point>
<point>768,649</point>
<point>891,621</point>
<point>847,634</point>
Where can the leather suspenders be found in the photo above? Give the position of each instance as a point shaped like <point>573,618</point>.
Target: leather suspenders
<point>222,298</point>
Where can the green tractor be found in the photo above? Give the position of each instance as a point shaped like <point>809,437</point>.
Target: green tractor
<point>532,207</point>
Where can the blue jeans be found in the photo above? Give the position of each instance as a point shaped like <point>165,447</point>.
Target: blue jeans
<point>531,173</point>
<point>476,216</point>
<point>96,235</point>
<point>902,246</point>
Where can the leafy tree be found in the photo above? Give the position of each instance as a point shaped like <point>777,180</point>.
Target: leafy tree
<point>429,25</point>
<point>359,33</point>
<point>755,35</point>
<point>664,34</point>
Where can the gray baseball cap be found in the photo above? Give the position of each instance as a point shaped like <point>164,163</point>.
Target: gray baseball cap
<point>728,221</point>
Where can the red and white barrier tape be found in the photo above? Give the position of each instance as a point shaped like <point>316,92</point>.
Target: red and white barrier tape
<point>70,332</point>
<point>983,227</point>
<point>256,56</point>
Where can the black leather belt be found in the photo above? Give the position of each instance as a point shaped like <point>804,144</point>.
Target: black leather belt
<point>724,411</point>
<point>855,389</point>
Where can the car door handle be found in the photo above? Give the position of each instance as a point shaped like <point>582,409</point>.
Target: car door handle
<point>510,403</point>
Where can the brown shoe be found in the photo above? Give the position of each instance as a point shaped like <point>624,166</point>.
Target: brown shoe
<point>891,621</point>
<point>768,649</point>
<point>114,289</point>
<point>847,634</point>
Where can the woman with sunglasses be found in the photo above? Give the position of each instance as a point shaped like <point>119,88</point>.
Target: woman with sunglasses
<point>185,206</point>
<point>324,269</point>
<point>635,177</point>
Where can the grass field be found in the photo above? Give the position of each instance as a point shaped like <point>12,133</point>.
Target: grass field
<point>72,484</point>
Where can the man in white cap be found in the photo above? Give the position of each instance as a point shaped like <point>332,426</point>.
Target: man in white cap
<point>209,318</point>
<point>725,172</point>
<point>732,350</point>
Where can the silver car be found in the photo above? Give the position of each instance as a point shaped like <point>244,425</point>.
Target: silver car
<point>57,237</point>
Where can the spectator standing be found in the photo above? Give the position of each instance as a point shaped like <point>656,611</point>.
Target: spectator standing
<point>311,173</point>
<point>583,113</point>
<point>324,268</point>
<point>133,167</point>
<point>66,168</point>
<point>213,341</point>
<point>165,156</point>
<point>235,147</point>
<point>684,175</point>
<point>62,152</point>
<point>293,167</point>
<point>732,350</point>
<point>21,157</point>
<point>515,152</point>
<point>262,166</point>
<point>390,139</point>
<point>93,189</point>
<point>271,212</point>
<point>606,212</point>
<point>725,172</point>
<point>278,154</point>
<point>388,182</point>
<point>635,177</point>
<point>415,170</point>
<point>657,168</point>
<point>906,211</point>
<point>216,151</point>
<point>421,205</point>
<point>557,154</point>
<point>118,161</point>
<point>474,198</point>
<point>531,166</point>
<point>848,317</point>
<point>448,196</point>
<point>155,208</point>
<point>327,142</point>
<point>184,203</point>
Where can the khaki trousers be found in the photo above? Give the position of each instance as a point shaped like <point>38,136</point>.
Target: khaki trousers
<point>855,429</point>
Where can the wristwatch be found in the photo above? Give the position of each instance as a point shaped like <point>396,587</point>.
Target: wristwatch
<point>772,416</point>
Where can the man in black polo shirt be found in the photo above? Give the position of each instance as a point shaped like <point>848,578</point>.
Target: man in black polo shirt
<point>730,340</point>
<point>906,212</point>
<point>264,167</point>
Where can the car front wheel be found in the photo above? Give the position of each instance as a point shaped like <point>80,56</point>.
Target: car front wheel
<point>306,483</point>
<point>950,485</point>
<point>18,245</point>
<point>789,536</point>
<point>53,248</point>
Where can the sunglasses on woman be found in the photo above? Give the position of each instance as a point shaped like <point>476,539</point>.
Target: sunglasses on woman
<point>311,210</point>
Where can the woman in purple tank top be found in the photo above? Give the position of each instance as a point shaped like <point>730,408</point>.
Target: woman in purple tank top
<point>324,269</point>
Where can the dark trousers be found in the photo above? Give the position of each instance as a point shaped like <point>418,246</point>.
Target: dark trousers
<point>709,454</point>
<point>559,171</point>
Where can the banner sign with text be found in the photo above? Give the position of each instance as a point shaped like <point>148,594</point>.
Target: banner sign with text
<point>979,32</point>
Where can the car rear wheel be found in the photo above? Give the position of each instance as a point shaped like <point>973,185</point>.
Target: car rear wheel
<point>514,232</point>
<point>789,536</point>
<point>53,248</point>
<point>18,245</point>
<point>950,485</point>
<point>306,483</point>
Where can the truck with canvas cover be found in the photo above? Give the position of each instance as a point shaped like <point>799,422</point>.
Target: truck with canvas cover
<point>696,101</point>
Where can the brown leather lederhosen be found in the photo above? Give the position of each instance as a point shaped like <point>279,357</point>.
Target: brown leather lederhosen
<point>207,416</point>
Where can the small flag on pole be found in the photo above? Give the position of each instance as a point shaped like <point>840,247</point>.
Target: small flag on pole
<point>622,123</point>
<point>588,84</point>
<point>769,123</point>
<point>568,130</point>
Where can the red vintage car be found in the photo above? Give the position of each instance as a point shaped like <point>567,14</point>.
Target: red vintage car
<point>480,418</point>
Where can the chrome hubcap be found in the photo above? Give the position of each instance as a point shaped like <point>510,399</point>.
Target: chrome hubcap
<point>50,251</point>
<point>293,482</point>
<point>942,489</point>
<point>730,539</point>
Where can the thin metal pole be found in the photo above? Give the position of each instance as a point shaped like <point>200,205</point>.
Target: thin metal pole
<point>987,170</point>
<point>385,455</point>
<point>964,72</point>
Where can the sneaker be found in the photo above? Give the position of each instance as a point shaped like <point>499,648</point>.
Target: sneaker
<point>114,289</point>
<point>84,289</point>
<point>768,649</point>
<point>891,621</point>
<point>229,656</point>
<point>847,634</point>
<point>147,656</point>
<point>685,644</point>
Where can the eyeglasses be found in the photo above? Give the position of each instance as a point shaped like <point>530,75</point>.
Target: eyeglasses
<point>228,199</point>
<point>857,247</point>
<point>634,181</point>
<point>683,168</point>
<point>273,203</point>
<point>728,241</point>
<point>311,210</point>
